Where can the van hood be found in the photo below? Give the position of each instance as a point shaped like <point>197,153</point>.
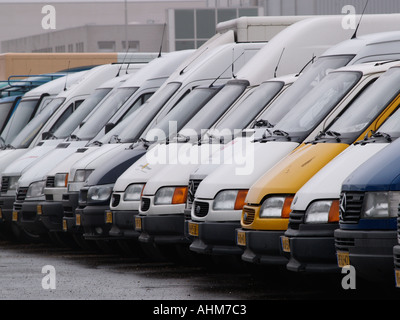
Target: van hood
<point>190,157</point>
<point>38,170</point>
<point>109,166</point>
<point>241,176</point>
<point>327,182</point>
<point>380,173</point>
<point>84,160</point>
<point>290,174</point>
<point>36,156</point>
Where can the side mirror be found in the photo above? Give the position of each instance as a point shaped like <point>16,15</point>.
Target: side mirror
<point>46,135</point>
<point>108,127</point>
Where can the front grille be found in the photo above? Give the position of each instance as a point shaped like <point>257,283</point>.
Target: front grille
<point>344,243</point>
<point>4,184</point>
<point>145,204</point>
<point>50,182</point>
<point>115,199</point>
<point>17,207</point>
<point>192,188</point>
<point>398,223</point>
<point>21,193</point>
<point>296,218</point>
<point>200,209</point>
<point>83,196</point>
<point>248,215</point>
<point>396,260</point>
<point>350,206</point>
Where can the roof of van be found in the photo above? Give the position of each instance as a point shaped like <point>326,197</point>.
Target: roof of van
<point>160,67</point>
<point>350,46</point>
<point>55,86</point>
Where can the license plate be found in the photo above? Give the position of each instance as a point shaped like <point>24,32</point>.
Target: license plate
<point>78,219</point>
<point>64,225</point>
<point>109,217</point>
<point>138,223</point>
<point>15,216</point>
<point>285,244</point>
<point>397,274</point>
<point>241,238</point>
<point>39,209</point>
<point>193,229</point>
<point>343,259</point>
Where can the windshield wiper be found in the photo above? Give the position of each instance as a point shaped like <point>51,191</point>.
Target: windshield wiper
<point>334,134</point>
<point>387,136</point>
<point>74,137</point>
<point>183,137</point>
<point>97,143</point>
<point>263,123</point>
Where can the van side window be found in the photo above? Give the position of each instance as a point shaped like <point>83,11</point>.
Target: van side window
<point>67,112</point>
<point>138,102</point>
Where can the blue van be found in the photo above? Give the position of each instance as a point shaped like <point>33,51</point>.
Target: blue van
<point>369,203</point>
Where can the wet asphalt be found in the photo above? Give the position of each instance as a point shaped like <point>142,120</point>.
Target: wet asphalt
<point>97,275</point>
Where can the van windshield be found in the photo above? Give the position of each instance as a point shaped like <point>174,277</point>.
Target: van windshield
<point>5,109</point>
<point>315,106</point>
<point>81,113</point>
<point>244,113</point>
<point>107,109</point>
<point>185,110</point>
<point>25,137</point>
<point>304,84</point>
<point>368,106</point>
<point>212,111</point>
<point>21,116</point>
<point>389,94</point>
<point>130,129</point>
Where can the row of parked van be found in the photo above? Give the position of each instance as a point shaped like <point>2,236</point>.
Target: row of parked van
<point>280,151</point>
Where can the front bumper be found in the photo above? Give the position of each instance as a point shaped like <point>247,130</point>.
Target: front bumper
<point>70,202</point>
<point>370,252</point>
<point>6,206</point>
<point>214,237</point>
<point>123,224</point>
<point>25,215</point>
<point>52,215</point>
<point>261,247</point>
<point>161,229</point>
<point>92,219</point>
<point>311,248</point>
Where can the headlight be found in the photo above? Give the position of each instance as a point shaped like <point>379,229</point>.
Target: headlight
<point>323,211</point>
<point>380,204</point>
<point>82,175</point>
<point>61,180</point>
<point>230,200</point>
<point>133,192</point>
<point>171,195</point>
<point>100,193</point>
<point>276,207</point>
<point>12,182</point>
<point>35,189</point>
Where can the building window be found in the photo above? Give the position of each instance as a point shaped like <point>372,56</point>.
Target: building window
<point>193,27</point>
<point>79,47</point>
<point>60,48</point>
<point>106,46</point>
<point>133,46</point>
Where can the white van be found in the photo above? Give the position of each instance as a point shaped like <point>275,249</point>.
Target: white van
<point>193,75</point>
